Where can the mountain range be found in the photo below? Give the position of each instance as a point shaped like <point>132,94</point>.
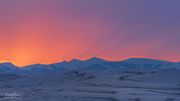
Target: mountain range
<point>92,64</point>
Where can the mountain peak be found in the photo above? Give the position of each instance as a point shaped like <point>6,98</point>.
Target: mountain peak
<point>7,64</point>
<point>75,60</point>
<point>141,60</point>
<point>95,59</point>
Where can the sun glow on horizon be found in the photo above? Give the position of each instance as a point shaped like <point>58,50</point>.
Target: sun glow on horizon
<point>49,31</point>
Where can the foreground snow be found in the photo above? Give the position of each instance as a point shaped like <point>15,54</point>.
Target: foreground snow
<point>118,85</point>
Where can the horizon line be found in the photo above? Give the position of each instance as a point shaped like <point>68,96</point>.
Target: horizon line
<point>87,60</point>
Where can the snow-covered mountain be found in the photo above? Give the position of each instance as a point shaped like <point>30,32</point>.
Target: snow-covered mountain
<point>146,63</point>
<point>8,68</point>
<point>134,79</point>
<point>93,64</point>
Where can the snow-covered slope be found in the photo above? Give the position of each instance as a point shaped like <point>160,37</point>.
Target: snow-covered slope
<point>162,85</point>
<point>134,79</point>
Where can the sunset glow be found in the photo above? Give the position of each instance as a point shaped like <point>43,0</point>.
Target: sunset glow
<point>48,31</point>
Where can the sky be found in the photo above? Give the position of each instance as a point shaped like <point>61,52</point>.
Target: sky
<point>49,31</point>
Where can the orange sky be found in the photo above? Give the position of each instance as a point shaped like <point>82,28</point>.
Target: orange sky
<point>48,31</point>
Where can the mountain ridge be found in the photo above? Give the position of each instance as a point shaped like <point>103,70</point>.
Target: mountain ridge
<point>92,58</point>
<point>93,63</point>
